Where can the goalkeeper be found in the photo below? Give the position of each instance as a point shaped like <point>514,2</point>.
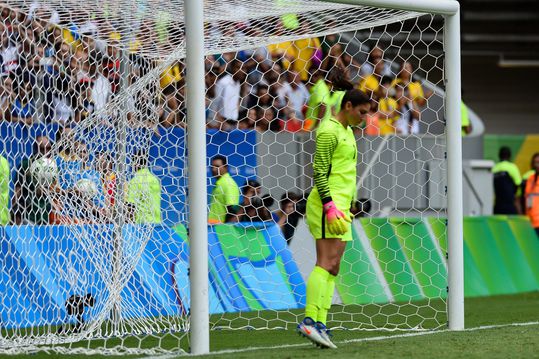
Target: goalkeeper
<point>328,209</point>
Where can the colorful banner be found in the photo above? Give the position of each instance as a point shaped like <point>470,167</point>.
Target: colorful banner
<point>41,267</point>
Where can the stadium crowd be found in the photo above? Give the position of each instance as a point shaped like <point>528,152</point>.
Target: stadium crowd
<point>56,70</point>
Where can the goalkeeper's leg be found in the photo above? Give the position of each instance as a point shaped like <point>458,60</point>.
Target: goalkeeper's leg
<point>316,287</point>
<point>320,288</point>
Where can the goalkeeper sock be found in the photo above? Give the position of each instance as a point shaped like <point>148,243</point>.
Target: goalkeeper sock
<point>316,287</point>
<point>327,298</point>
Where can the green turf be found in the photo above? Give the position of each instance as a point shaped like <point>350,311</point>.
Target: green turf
<point>513,342</point>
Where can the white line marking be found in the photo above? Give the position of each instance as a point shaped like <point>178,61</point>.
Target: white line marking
<point>359,340</point>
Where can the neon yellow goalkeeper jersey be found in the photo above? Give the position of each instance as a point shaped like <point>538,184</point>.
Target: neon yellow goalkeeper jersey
<point>335,163</point>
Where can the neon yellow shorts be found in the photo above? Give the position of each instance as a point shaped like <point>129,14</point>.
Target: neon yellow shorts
<point>316,220</point>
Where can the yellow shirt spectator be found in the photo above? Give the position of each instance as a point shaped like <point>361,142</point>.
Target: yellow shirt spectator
<point>68,37</point>
<point>369,84</point>
<point>386,106</point>
<point>415,89</point>
<point>305,49</point>
<point>285,51</point>
<point>171,75</point>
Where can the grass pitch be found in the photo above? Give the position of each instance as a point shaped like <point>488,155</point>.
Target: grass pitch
<point>499,339</point>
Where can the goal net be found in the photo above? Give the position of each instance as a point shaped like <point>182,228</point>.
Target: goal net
<point>95,243</point>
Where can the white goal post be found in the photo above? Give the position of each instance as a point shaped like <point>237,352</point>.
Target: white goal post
<point>195,99</point>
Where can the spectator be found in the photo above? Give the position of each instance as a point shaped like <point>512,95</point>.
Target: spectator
<point>84,106</point>
<point>288,215</point>
<point>415,89</point>
<point>294,94</point>
<point>62,101</point>
<point>375,56</point>
<point>111,67</point>
<point>506,181</point>
<point>408,121</point>
<point>68,160</point>
<point>266,120</point>
<point>306,50</point>
<point>102,88</point>
<point>251,189</point>
<point>291,122</point>
<point>6,96</point>
<point>4,191</point>
<point>370,84</point>
<point>63,55</point>
<point>170,113</point>
<point>372,120</point>
<point>262,98</point>
<point>353,67</point>
<point>531,193</point>
<point>89,191</point>
<point>9,54</point>
<point>333,58</point>
<point>387,107</point>
<point>248,123</point>
<point>283,53</point>
<point>104,166</point>
<point>225,194</point>
<point>227,94</point>
<point>257,210</point>
<point>171,76</point>
<point>144,192</point>
<point>23,107</point>
<point>30,204</point>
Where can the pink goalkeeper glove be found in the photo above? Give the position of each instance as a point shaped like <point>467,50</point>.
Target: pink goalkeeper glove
<point>336,219</point>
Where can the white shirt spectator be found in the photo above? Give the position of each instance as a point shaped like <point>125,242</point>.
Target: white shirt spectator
<point>367,69</point>
<point>405,125</point>
<point>101,92</point>
<point>10,58</point>
<point>227,95</point>
<point>297,98</point>
<point>63,113</point>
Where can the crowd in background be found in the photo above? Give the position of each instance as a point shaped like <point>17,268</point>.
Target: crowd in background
<point>56,70</point>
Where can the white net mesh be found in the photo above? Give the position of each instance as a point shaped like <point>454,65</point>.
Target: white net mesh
<point>95,255</point>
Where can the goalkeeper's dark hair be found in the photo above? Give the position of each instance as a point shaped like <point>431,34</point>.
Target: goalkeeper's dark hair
<point>355,97</point>
<point>339,79</point>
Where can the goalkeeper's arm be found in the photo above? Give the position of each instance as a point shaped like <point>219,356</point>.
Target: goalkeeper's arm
<point>325,147</point>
